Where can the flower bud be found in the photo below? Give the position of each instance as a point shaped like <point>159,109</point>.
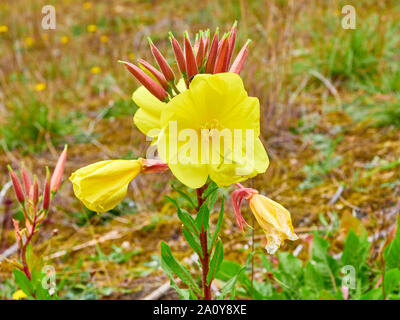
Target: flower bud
<point>212,55</point>
<point>58,171</point>
<point>179,56</point>
<point>47,191</point>
<point>237,65</point>
<point>222,56</point>
<point>155,89</point>
<point>162,62</point>
<point>200,53</point>
<point>231,41</point>
<point>25,179</point>
<point>157,74</point>
<point>191,65</point>
<point>19,193</point>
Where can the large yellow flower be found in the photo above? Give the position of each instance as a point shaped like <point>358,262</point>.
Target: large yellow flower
<point>102,185</point>
<point>147,117</point>
<point>214,108</point>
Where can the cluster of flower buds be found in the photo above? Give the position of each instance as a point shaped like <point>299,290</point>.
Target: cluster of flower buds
<point>205,56</point>
<point>34,206</point>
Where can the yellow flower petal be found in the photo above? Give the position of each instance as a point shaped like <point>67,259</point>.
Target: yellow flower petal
<point>218,103</point>
<point>274,219</point>
<point>102,185</point>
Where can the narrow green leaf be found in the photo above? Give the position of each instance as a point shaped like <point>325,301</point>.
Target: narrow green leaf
<point>218,225</point>
<point>391,254</point>
<point>203,217</point>
<point>22,280</point>
<point>193,242</point>
<point>186,196</point>
<point>188,222</point>
<point>215,261</point>
<point>171,266</point>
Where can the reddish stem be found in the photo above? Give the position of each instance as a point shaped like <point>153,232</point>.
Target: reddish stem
<point>205,261</point>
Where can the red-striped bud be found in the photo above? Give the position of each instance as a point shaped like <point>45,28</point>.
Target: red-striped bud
<point>34,191</point>
<point>19,193</point>
<point>162,62</point>
<point>58,171</point>
<point>222,56</point>
<point>232,39</point>
<point>46,192</point>
<point>206,41</point>
<point>191,65</point>
<point>179,56</point>
<point>146,81</point>
<point>237,65</point>
<point>25,179</point>
<point>212,55</point>
<point>157,74</point>
<point>200,52</point>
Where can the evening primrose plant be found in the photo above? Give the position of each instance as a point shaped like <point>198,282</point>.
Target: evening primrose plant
<point>207,133</point>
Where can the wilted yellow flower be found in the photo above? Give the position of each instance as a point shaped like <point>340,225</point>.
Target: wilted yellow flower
<point>104,38</point>
<point>274,219</point>
<point>29,41</point>
<point>19,295</point>
<point>91,28</point>
<point>64,39</point>
<point>95,70</point>
<point>40,87</point>
<point>3,29</point>
<point>87,5</point>
<point>102,185</point>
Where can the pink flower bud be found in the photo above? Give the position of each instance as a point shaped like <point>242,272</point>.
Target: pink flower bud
<point>162,62</point>
<point>232,39</point>
<point>47,191</point>
<point>34,191</point>
<point>25,179</point>
<point>179,56</point>
<point>237,65</point>
<point>191,65</point>
<point>157,74</point>
<point>212,55</point>
<point>206,41</point>
<point>222,56</point>
<point>17,186</point>
<point>146,81</point>
<point>58,171</point>
<point>200,53</point>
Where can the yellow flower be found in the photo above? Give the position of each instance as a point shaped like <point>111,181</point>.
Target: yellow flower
<point>87,5</point>
<point>104,39</point>
<point>274,219</point>
<point>91,28</point>
<point>95,70</point>
<point>214,108</point>
<point>131,56</point>
<point>3,29</point>
<point>40,87</point>
<point>64,39</point>
<point>19,295</point>
<point>29,41</point>
<point>102,185</point>
<point>147,117</point>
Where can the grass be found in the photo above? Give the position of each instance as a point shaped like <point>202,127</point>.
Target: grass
<point>316,142</point>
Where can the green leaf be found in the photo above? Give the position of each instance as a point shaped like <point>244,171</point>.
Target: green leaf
<point>212,187</point>
<point>203,217</point>
<point>186,196</point>
<point>170,265</point>
<point>218,225</point>
<point>193,242</point>
<point>392,280</point>
<point>355,251</point>
<point>215,261</point>
<point>188,222</point>
<point>391,254</point>
<point>22,280</point>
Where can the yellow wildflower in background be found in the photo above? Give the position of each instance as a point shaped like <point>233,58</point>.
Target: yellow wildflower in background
<point>19,295</point>
<point>91,28</point>
<point>40,87</point>
<point>274,219</point>
<point>29,41</point>
<point>95,70</point>
<point>64,39</point>
<point>3,29</point>
<point>87,5</point>
<point>104,39</point>
<point>102,185</point>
